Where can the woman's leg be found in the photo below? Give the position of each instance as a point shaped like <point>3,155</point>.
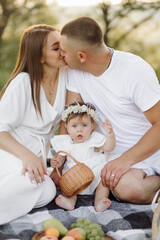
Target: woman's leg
<point>19,196</point>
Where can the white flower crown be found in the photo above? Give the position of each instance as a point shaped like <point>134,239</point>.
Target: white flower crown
<point>79,109</point>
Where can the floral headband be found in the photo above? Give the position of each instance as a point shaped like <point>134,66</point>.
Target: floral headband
<point>79,109</point>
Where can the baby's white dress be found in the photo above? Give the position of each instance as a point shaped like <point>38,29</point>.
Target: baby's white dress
<point>18,117</point>
<point>83,152</point>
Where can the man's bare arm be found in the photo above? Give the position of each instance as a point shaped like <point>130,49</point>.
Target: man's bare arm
<point>146,146</point>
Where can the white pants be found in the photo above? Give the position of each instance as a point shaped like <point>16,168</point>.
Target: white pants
<point>18,195</point>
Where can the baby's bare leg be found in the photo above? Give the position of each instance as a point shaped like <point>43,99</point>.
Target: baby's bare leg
<point>67,203</point>
<point>101,202</point>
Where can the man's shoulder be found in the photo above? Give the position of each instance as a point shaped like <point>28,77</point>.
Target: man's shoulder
<point>128,57</point>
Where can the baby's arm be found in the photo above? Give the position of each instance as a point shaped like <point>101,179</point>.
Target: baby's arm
<point>57,162</point>
<point>110,142</point>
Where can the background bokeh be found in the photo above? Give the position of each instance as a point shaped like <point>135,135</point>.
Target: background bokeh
<point>128,25</point>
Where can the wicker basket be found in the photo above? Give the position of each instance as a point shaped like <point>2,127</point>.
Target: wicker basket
<point>76,179</point>
<point>156,223</point>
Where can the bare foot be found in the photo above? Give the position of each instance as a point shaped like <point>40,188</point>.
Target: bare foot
<point>66,203</point>
<point>103,204</point>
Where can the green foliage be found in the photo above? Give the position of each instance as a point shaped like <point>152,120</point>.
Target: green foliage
<point>8,59</point>
<point>143,47</point>
<point>24,16</point>
<point>139,41</point>
<point>133,26</point>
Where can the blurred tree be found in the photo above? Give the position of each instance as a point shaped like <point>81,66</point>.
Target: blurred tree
<point>11,7</point>
<point>5,12</point>
<point>133,25</point>
<point>27,11</point>
<point>15,16</point>
<point>114,15</point>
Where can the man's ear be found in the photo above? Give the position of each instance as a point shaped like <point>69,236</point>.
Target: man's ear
<point>82,56</point>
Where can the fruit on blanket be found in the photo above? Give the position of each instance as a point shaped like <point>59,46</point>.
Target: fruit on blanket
<point>93,230</point>
<point>68,238</point>
<point>54,222</point>
<point>52,231</point>
<point>77,234</point>
<point>48,238</point>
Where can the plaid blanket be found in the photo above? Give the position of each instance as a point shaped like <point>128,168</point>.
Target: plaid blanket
<point>122,221</point>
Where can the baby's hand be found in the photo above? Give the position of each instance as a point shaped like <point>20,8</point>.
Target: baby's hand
<point>57,162</point>
<point>107,126</point>
<point>54,162</point>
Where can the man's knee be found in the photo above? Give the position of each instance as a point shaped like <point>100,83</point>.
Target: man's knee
<point>129,194</point>
<point>130,188</point>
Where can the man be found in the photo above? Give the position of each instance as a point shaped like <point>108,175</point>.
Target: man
<point>124,89</point>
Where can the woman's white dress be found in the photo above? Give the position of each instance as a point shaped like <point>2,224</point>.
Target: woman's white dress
<point>83,152</point>
<point>18,117</point>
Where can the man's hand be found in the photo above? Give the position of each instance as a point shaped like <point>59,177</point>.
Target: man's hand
<point>113,171</point>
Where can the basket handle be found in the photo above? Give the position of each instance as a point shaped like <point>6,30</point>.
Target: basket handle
<point>66,154</point>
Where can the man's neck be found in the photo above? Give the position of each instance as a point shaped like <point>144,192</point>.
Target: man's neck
<point>99,64</point>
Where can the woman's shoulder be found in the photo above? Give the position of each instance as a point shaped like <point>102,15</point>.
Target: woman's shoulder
<point>21,79</point>
<point>19,84</point>
<point>23,76</point>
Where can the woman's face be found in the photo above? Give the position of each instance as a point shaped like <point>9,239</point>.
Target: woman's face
<point>51,51</point>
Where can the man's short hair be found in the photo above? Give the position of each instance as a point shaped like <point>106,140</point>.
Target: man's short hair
<point>83,29</point>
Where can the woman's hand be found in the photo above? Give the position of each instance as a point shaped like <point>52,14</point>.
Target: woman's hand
<point>35,168</point>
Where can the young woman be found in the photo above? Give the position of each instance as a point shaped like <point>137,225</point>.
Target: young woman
<point>30,111</point>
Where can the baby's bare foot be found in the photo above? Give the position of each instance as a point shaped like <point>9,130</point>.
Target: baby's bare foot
<point>66,203</point>
<point>103,204</point>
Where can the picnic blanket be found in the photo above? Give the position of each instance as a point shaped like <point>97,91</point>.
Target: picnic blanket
<point>122,221</point>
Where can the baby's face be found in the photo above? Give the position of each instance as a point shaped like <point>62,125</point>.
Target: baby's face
<point>80,129</point>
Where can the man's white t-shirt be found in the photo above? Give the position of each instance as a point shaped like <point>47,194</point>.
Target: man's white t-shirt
<point>121,94</point>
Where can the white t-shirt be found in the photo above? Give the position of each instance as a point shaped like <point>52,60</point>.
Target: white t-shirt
<point>121,94</point>
<point>19,118</point>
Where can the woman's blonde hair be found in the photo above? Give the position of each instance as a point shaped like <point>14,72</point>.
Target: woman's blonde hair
<point>29,59</point>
